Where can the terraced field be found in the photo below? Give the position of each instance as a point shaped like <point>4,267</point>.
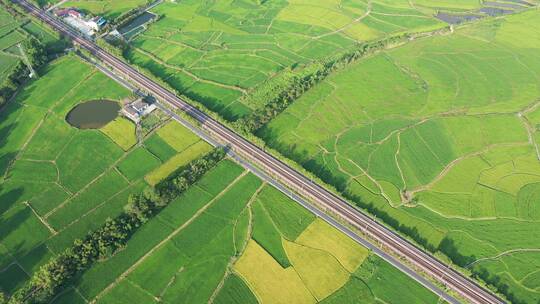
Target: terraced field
<point>58,182</point>
<point>109,9</point>
<point>441,136</point>
<point>216,53</point>
<point>233,239</point>
<point>220,53</point>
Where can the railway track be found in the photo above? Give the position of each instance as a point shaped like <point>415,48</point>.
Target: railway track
<point>442,273</point>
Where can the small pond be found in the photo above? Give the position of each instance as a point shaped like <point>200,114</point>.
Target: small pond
<point>93,114</point>
<point>136,26</point>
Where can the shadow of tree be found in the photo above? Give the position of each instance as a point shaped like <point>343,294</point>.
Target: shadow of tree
<point>8,198</point>
<point>302,157</point>
<point>7,156</point>
<point>10,222</point>
<point>449,248</point>
<point>12,216</point>
<point>7,259</point>
<point>11,278</point>
<point>8,225</point>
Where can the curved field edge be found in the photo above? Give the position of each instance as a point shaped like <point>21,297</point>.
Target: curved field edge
<point>453,162</point>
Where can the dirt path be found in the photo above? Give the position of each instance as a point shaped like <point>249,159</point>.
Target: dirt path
<point>89,184</point>
<point>235,257</point>
<point>87,213</point>
<point>376,182</point>
<point>396,159</point>
<point>448,167</point>
<point>355,21</point>
<point>503,254</point>
<point>23,147</point>
<point>197,78</point>
<point>529,127</point>
<point>51,229</point>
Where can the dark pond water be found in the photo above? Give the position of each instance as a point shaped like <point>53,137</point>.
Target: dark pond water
<point>494,11</point>
<point>135,23</point>
<point>93,114</point>
<point>457,19</point>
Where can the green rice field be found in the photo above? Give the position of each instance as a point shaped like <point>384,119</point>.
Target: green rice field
<point>16,30</point>
<point>438,135</point>
<point>441,136</point>
<point>58,182</point>
<point>220,53</point>
<point>10,34</point>
<point>217,53</point>
<point>109,9</point>
<point>203,247</point>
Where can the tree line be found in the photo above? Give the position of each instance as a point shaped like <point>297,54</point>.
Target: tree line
<point>112,236</point>
<point>301,80</point>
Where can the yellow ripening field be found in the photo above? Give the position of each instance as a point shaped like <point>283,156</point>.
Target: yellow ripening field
<point>320,235</point>
<point>270,282</point>
<point>122,132</point>
<point>177,136</point>
<point>319,270</point>
<point>177,161</point>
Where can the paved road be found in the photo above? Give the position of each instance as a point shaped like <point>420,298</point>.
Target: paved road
<point>285,174</point>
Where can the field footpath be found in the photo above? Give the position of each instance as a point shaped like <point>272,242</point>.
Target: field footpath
<point>197,78</point>
<point>339,30</point>
<point>239,253</point>
<point>399,245</point>
<point>530,129</point>
<point>448,167</point>
<point>45,223</point>
<point>371,245</point>
<point>49,112</point>
<point>165,240</point>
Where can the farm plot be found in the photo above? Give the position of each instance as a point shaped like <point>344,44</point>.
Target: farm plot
<point>59,182</point>
<point>518,270</point>
<point>40,165</point>
<point>217,53</point>
<point>122,132</point>
<point>10,35</point>
<point>186,144</point>
<point>203,246</point>
<point>18,30</point>
<point>325,265</point>
<point>439,135</point>
<point>109,9</point>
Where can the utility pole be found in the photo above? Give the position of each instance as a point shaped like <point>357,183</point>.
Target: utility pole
<point>26,61</point>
